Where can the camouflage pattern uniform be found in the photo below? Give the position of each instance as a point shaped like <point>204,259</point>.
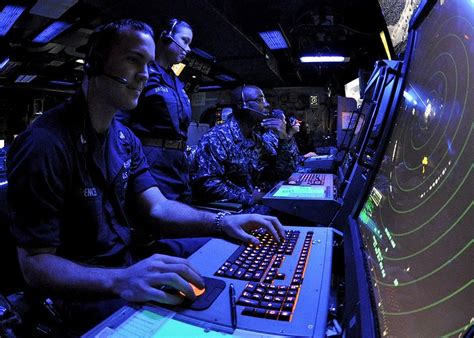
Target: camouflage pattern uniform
<point>227,166</point>
<point>291,156</point>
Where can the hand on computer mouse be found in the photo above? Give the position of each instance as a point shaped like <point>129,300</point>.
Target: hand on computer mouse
<point>141,281</point>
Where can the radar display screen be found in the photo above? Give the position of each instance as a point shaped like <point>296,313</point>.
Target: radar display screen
<point>417,222</point>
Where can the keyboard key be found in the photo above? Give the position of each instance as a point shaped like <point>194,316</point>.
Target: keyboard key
<point>247,302</point>
<point>246,294</point>
<point>239,273</point>
<point>278,299</point>
<point>284,316</point>
<point>280,276</point>
<point>272,314</point>
<point>230,272</point>
<point>270,305</point>
<point>248,276</point>
<point>250,287</point>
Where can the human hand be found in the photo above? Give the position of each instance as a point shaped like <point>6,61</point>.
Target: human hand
<point>310,154</point>
<point>277,125</point>
<point>141,281</point>
<point>238,226</point>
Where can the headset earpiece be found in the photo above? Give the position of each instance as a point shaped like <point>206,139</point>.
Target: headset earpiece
<point>92,67</point>
<point>93,60</point>
<point>167,35</point>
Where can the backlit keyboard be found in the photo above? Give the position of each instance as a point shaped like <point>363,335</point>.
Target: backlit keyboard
<point>260,266</point>
<point>306,179</point>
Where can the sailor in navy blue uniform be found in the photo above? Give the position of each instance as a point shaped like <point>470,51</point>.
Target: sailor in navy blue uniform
<point>163,114</point>
<point>61,163</point>
<point>72,172</point>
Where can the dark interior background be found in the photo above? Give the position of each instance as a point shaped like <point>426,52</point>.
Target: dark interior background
<point>227,30</point>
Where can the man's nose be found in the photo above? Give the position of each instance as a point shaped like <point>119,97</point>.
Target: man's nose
<point>143,74</point>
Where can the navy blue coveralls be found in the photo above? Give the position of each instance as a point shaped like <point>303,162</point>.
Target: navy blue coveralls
<point>67,186</point>
<point>67,189</point>
<point>161,122</point>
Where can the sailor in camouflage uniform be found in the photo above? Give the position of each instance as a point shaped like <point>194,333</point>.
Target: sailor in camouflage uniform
<point>234,161</point>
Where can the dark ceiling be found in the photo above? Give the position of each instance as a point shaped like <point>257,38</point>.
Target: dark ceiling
<point>226,29</point>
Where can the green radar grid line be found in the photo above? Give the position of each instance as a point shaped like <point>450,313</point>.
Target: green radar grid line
<point>455,332</point>
<point>427,307</point>
<point>442,266</point>
<point>460,185</point>
<point>435,241</point>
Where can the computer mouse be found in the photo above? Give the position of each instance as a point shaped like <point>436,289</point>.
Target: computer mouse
<point>173,291</point>
<point>204,297</point>
<point>197,291</point>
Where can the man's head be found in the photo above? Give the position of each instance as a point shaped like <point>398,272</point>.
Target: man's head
<point>250,103</point>
<point>293,124</point>
<point>174,41</point>
<point>116,63</point>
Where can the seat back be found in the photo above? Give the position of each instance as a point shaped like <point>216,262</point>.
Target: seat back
<point>195,132</point>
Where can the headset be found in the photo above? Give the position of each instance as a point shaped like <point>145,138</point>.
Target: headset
<point>94,61</point>
<point>167,35</point>
<point>245,106</point>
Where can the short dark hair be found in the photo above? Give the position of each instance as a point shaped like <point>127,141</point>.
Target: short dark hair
<point>104,37</point>
<point>172,26</point>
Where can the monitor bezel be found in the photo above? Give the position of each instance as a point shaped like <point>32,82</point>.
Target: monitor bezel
<point>369,324</point>
<point>422,12</point>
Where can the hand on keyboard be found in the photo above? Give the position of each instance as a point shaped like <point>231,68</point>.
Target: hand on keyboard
<point>239,226</point>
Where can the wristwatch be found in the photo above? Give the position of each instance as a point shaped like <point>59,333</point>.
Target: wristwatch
<point>218,221</point>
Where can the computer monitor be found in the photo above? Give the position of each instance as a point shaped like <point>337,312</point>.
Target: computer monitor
<point>352,140</point>
<point>352,89</point>
<point>348,115</point>
<point>363,115</point>
<point>415,223</point>
<point>369,146</point>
